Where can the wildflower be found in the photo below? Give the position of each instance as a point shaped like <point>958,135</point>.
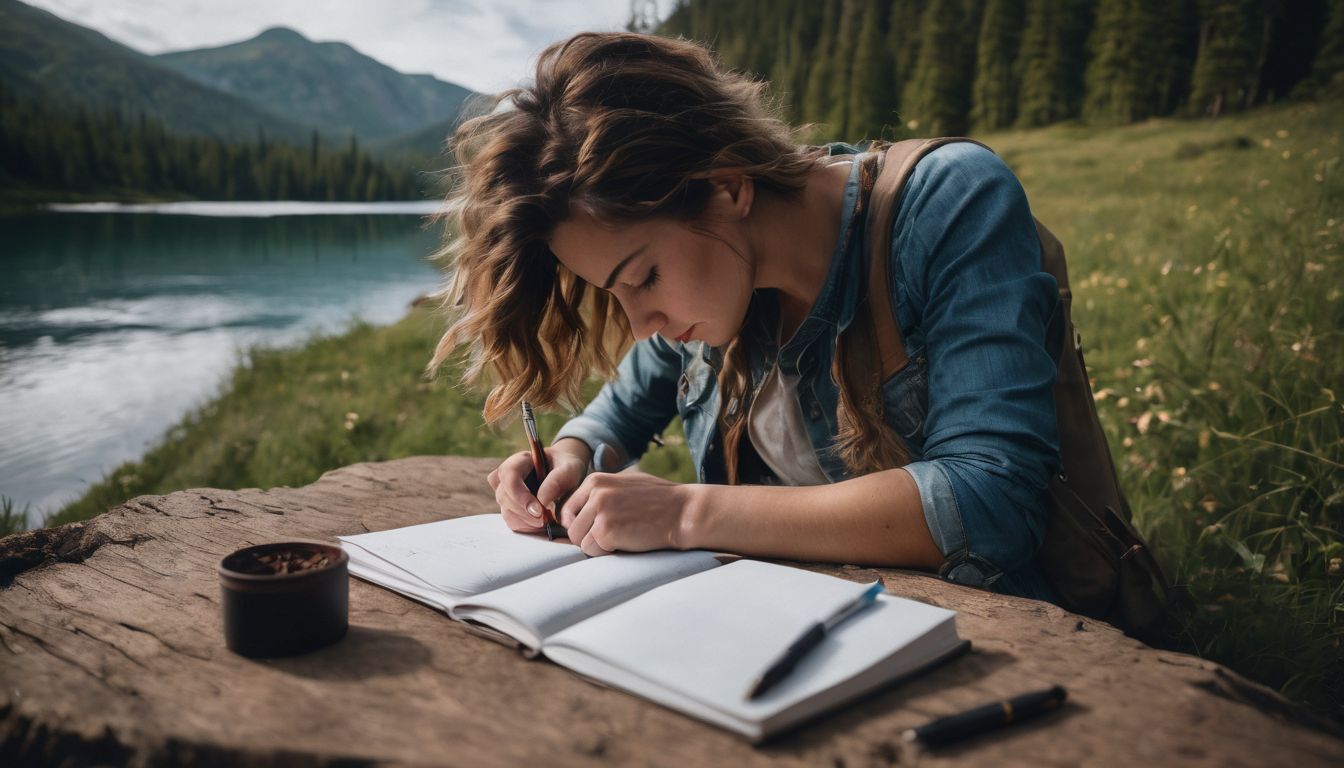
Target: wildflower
<point>351,419</point>
<point>345,375</point>
<point>1143,422</point>
<point>1281,133</point>
<point>1336,565</point>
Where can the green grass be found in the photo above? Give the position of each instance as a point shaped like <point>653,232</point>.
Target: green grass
<point>1205,261</point>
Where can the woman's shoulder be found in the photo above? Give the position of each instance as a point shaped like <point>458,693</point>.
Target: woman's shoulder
<point>964,163</point>
<point>949,182</point>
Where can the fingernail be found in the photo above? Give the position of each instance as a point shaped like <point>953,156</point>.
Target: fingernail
<point>533,511</point>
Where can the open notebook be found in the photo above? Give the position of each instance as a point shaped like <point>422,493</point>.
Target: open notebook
<point>682,629</point>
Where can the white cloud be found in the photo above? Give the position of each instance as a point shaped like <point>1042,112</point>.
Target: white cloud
<point>483,45</point>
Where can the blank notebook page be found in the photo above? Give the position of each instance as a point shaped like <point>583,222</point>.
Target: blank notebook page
<point>466,555</point>
<point>706,637</point>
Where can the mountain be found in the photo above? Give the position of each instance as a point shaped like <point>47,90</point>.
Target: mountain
<point>422,148</point>
<point>329,85</point>
<point>66,65</point>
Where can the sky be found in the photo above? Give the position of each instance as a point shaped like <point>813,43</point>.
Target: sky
<point>485,45</point>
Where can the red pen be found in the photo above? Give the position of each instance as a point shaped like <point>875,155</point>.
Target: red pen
<point>540,468</point>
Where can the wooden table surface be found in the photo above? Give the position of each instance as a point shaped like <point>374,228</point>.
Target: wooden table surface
<point>112,651</point>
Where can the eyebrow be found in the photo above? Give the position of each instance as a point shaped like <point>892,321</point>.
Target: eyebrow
<point>611,279</point>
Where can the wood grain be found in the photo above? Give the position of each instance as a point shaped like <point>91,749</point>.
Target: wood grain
<point>112,651</point>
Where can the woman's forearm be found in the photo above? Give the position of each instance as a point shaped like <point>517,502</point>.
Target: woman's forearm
<point>876,519</point>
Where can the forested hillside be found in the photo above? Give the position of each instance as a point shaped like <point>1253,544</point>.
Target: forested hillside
<point>52,154</point>
<point>890,68</point>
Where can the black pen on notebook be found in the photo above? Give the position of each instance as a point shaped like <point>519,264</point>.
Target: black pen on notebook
<point>540,467</point>
<point>963,725</point>
<point>811,639</point>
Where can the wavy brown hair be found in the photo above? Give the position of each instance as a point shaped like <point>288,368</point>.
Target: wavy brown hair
<point>620,126</point>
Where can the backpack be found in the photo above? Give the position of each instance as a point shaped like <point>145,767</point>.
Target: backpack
<point>1091,553</point>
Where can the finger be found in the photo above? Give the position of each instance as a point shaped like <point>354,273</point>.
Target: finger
<point>516,515</point>
<point>493,478</point>
<point>577,501</point>
<point>554,487</point>
<point>578,525</point>
<point>513,488</point>
<point>591,548</point>
<point>518,520</point>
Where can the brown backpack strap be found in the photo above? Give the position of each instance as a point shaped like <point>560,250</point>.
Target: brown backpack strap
<point>897,163</point>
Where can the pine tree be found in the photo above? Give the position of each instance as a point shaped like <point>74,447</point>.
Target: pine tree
<point>1227,68</point>
<point>903,51</point>
<point>843,63</point>
<point>1049,65</point>
<point>871,106</point>
<point>1328,65</point>
<point>939,94</point>
<point>821,82</point>
<point>994,92</point>
<point>1126,50</point>
<point>1178,40</point>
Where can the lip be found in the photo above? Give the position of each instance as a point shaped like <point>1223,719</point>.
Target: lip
<point>686,335</point>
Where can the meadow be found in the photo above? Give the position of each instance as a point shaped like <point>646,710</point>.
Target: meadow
<point>1205,260</point>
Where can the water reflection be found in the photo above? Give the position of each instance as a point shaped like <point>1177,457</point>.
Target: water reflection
<point>113,325</point>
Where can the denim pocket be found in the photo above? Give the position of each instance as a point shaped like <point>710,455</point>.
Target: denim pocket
<point>905,398</point>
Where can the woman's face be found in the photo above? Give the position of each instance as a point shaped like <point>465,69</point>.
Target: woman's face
<point>681,280</point>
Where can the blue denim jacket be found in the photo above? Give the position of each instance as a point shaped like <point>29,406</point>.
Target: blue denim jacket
<point>975,404</point>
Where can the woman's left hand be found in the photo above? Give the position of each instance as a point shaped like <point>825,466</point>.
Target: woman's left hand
<point>627,512</point>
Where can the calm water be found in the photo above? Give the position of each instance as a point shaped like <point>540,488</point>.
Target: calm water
<point>114,325</point>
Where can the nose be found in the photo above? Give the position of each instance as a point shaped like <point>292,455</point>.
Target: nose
<point>644,321</point>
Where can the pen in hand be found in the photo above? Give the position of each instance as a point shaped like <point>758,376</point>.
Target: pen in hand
<point>811,639</point>
<point>540,468</point>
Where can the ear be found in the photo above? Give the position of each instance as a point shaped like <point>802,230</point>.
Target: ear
<point>732,196</point>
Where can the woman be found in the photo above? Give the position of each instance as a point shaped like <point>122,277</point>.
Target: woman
<point>635,169</point>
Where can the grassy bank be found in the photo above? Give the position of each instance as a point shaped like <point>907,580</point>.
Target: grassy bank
<point>1205,261</point>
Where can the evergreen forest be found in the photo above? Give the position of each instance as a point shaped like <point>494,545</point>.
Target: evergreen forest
<point>884,69</point>
<point>46,152</point>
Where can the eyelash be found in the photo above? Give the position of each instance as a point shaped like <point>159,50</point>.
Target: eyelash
<point>650,281</point>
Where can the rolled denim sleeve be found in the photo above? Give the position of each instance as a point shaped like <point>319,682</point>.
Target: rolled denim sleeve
<point>967,266</point>
<point>618,424</point>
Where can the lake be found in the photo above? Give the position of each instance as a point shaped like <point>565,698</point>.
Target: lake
<point>115,322</point>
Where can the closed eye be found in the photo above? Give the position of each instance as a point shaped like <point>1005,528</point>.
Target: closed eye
<point>651,280</point>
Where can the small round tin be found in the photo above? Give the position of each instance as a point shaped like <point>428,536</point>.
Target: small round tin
<point>285,598</point>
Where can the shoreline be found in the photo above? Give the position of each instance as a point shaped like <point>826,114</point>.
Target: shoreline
<point>251,208</point>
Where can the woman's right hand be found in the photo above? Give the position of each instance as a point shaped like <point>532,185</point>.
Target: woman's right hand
<point>569,459</point>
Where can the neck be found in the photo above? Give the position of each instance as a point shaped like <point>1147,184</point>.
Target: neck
<point>793,239</point>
